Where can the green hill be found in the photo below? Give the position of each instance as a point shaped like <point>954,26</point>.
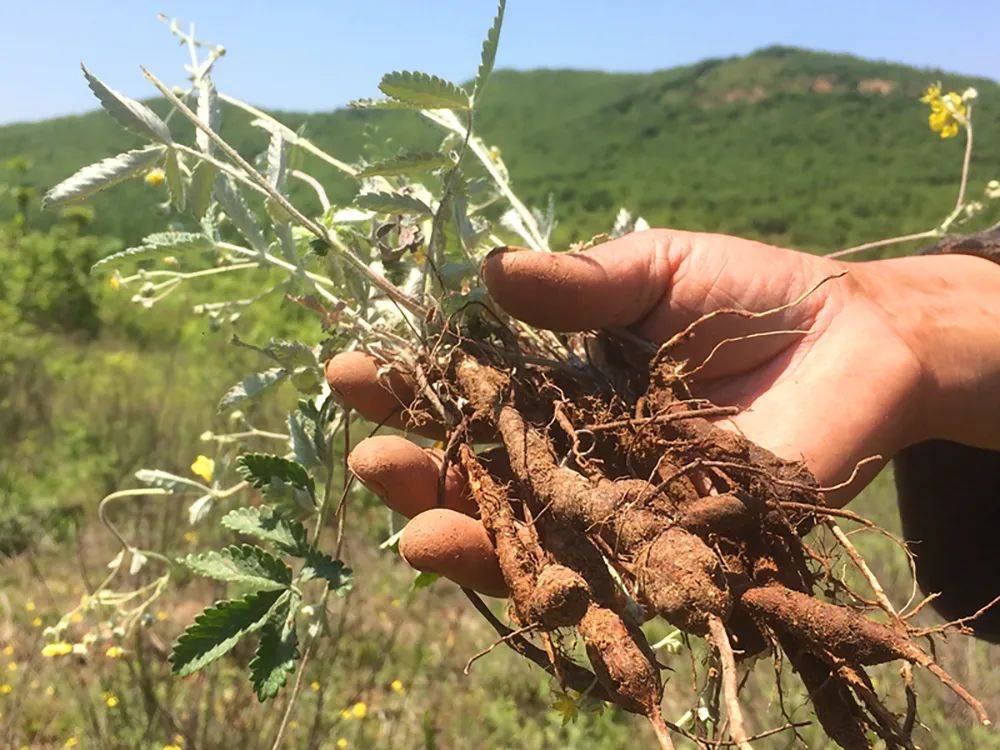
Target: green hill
<point>811,149</point>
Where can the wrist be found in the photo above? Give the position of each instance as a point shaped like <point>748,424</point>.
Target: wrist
<point>946,308</point>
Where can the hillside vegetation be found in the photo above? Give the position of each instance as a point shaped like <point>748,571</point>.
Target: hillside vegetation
<point>809,149</point>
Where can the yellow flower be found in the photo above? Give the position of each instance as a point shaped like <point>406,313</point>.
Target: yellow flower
<point>948,111</point>
<point>115,652</point>
<point>37,622</point>
<point>115,283</point>
<point>342,743</point>
<point>397,686</point>
<point>170,260</point>
<point>345,714</point>
<point>60,648</point>
<point>8,650</point>
<point>5,689</point>
<point>76,617</point>
<point>566,707</point>
<point>314,686</point>
<point>359,709</point>
<point>110,700</point>
<point>203,467</point>
<point>50,691</point>
<point>71,742</point>
<point>29,606</point>
<point>12,667</point>
<point>161,615</point>
<point>155,177</point>
<point>172,747</point>
<point>191,537</point>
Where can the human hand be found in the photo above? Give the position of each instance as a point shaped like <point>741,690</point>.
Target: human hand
<point>836,375</point>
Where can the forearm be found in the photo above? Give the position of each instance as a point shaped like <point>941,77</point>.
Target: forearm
<point>947,307</point>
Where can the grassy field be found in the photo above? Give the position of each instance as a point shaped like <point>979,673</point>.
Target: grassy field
<point>784,145</point>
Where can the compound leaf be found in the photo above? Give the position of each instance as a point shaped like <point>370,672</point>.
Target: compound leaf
<point>489,54</point>
<point>97,177</point>
<point>423,91</point>
<point>242,563</point>
<point>218,628</point>
<point>128,113</point>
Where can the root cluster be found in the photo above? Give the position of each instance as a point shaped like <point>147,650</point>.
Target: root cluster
<point>618,500</point>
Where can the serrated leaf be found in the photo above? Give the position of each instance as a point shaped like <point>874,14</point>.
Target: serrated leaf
<point>489,54</point>
<point>274,660</point>
<point>423,90</point>
<point>406,164</point>
<point>175,181</point>
<point>218,628</point>
<point>202,182</point>
<point>334,572</point>
<point>262,469</point>
<point>239,214</point>
<point>277,161</point>
<point>251,386</point>
<point>301,434</point>
<point>160,243</point>
<point>208,112</point>
<point>171,482</point>
<point>243,563</point>
<point>392,203</point>
<point>268,526</point>
<point>97,177</point>
<point>129,113</point>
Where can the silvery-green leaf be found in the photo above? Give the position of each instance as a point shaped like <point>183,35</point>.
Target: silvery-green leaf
<point>202,182</point>
<point>175,181</point>
<point>489,53</point>
<point>127,112</point>
<point>160,243</point>
<point>392,203</point>
<point>277,161</point>
<point>198,509</point>
<point>302,432</point>
<point>96,177</point>
<point>251,386</point>
<point>239,214</point>
<point>423,91</point>
<point>170,482</point>
<point>208,112</point>
<point>406,164</point>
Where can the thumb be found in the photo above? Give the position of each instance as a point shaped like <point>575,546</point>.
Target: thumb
<point>613,284</point>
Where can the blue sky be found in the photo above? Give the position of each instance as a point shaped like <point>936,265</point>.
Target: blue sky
<point>316,55</point>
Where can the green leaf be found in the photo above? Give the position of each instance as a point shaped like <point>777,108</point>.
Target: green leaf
<point>406,164</point>
<point>423,90</point>
<point>175,182</point>
<point>392,203</point>
<point>239,214</point>
<point>277,161</point>
<point>334,572</point>
<point>268,526</point>
<point>273,473</point>
<point>218,628</point>
<point>274,662</point>
<point>202,182</point>
<point>97,177</point>
<point>208,112</point>
<point>489,54</point>
<point>303,435</point>
<point>129,113</point>
<point>251,386</point>
<point>167,481</point>
<point>243,563</point>
<point>160,243</point>
<point>423,580</point>
<point>291,354</point>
